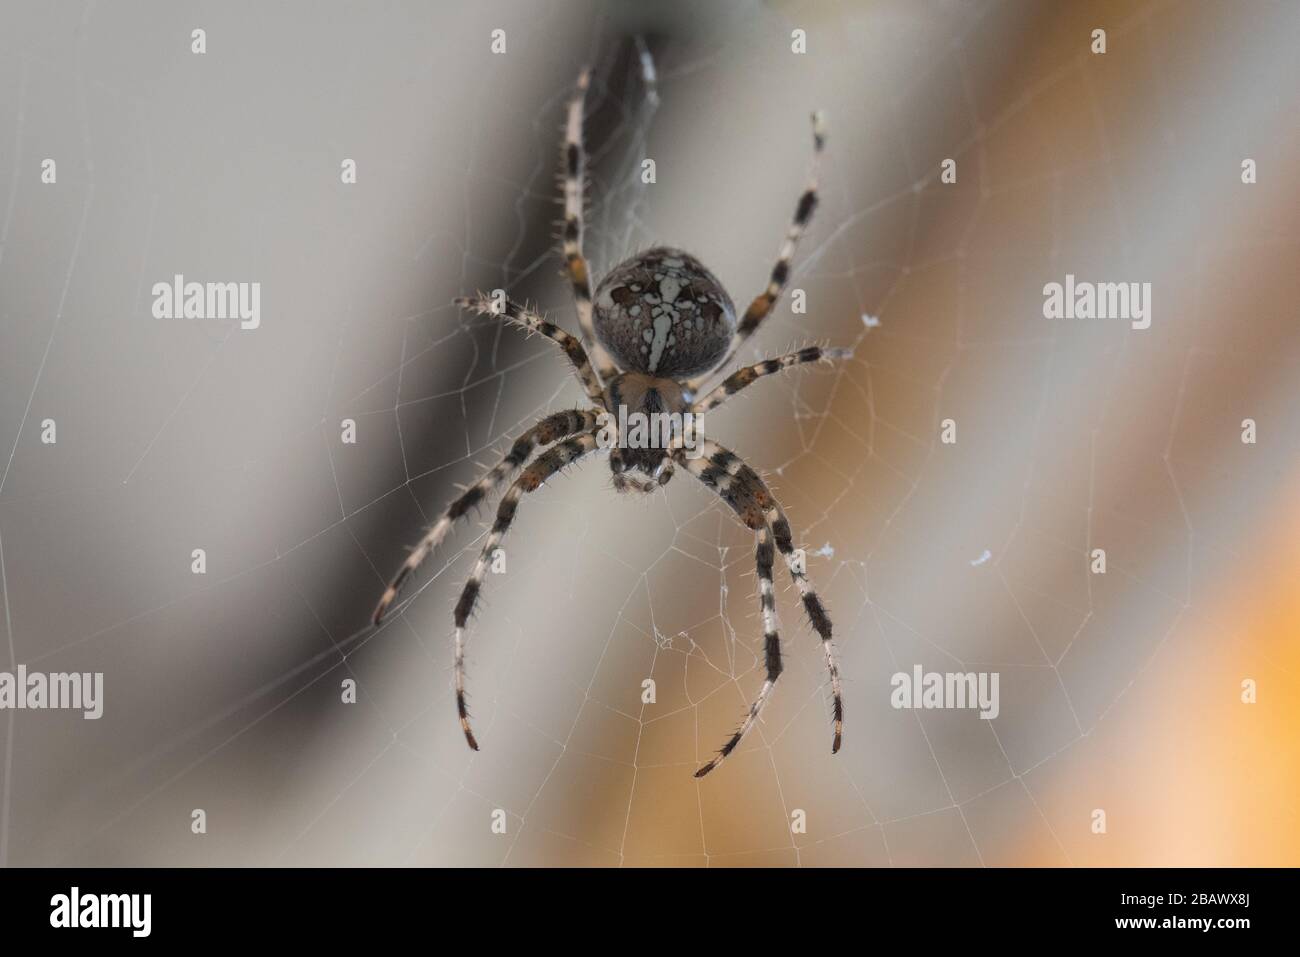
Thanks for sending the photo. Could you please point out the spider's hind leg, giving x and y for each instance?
(748, 495)
(763, 556)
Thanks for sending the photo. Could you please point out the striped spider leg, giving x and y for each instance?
(549, 430)
(542, 468)
(763, 303)
(575, 263)
(748, 495)
(747, 374)
(526, 318)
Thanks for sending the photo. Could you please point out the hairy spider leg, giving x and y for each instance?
(762, 305)
(748, 495)
(575, 263)
(748, 374)
(526, 318)
(542, 468)
(547, 431)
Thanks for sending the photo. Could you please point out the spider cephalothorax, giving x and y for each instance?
(659, 325)
(636, 403)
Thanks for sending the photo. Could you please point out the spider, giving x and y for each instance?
(657, 328)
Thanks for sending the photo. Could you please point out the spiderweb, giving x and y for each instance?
(226, 691)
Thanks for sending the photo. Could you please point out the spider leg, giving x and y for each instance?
(525, 317)
(548, 430)
(542, 468)
(812, 604)
(762, 305)
(763, 555)
(744, 376)
(575, 264)
(748, 495)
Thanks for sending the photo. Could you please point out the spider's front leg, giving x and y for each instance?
(542, 468)
(575, 263)
(550, 429)
(748, 495)
(763, 303)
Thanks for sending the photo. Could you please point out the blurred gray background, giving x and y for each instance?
(223, 691)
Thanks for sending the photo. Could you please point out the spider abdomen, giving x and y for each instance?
(664, 314)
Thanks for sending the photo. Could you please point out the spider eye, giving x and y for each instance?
(662, 313)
